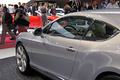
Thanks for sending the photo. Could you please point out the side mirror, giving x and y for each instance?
(38, 32)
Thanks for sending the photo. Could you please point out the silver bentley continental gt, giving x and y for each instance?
(78, 46)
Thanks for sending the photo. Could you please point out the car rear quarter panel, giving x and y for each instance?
(97, 57)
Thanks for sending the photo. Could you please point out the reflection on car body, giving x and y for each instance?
(77, 46)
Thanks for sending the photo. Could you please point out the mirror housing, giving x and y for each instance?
(38, 32)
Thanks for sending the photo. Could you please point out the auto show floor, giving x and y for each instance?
(8, 70)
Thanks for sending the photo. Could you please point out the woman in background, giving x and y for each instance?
(44, 14)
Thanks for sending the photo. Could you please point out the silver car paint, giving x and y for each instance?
(86, 63)
(52, 54)
(100, 56)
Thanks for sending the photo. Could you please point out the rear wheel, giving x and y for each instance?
(110, 77)
(22, 59)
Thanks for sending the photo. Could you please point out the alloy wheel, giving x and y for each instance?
(21, 58)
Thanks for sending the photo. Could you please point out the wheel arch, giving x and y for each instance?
(106, 71)
(105, 74)
(19, 42)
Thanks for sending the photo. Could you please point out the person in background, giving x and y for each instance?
(35, 8)
(25, 8)
(46, 5)
(84, 6)
(10, 9)
(87, 5)
(49, 8)
(22, 20)
(39, 7)
(44, 14)
(118, 3)
(67, 8)
(53, 9)
(55, 5)
(77, 5)
(112, 4)
(103, 5)
(16, 9)
(106, 2)
(15, 30)
(19, 4)
(2, 13)
(5, 5)
(6, 22)
(30, 9)
(93, 6)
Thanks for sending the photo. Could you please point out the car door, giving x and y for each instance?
(63, 48)
(56, 51)
(64, 40)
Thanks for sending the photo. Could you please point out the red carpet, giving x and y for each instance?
(8, 43)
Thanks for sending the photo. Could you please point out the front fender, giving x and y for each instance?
(25, 38)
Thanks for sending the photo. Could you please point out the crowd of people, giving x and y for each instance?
(78, 5)
(21, 21)
(21, 11)
(21, 17)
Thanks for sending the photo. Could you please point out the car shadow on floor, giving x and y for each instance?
(9, 71)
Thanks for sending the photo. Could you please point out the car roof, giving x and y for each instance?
(111, 16)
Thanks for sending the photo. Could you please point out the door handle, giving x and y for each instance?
(71, 49)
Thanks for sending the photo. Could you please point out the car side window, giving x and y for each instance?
(100, 31)
(45, 30)
(70, 27)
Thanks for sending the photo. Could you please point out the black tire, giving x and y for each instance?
(22, 59)
(110, 77)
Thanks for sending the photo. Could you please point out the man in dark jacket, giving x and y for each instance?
(30, 9)
(77, 5)
(22, 20)
(6, 22)
(15, 30)
(16, 9)
(35, 8)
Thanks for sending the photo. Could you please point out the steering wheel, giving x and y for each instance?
(81, 31)
(71, 29)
